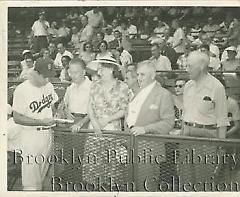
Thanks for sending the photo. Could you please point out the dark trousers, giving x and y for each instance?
(39, 42)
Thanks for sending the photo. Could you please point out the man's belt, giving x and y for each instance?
(42, 128)
(201, 126)
(76, 115)
(41, 36)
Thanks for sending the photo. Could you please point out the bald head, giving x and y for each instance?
(197, 63)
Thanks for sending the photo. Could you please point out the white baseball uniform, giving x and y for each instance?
(34, 102)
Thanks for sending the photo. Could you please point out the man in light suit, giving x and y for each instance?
(151, 110)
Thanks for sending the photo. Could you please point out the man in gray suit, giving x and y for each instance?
(151, 110)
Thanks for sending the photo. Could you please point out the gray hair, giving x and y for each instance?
(200, 57)
(149, 64)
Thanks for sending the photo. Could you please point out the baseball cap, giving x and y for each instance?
(231, 48)
(44, 67)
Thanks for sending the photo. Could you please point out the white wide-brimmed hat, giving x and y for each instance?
(108, 60)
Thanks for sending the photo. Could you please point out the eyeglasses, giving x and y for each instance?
(178, 86)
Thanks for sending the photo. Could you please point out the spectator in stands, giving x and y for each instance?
(103, 51)
(64, 33)
(131, 81)
(115, 25)
(92, 71)
(178, 100)
(27, 68)
(233, 115)
(25, 54)
(64, 75)
(214, 63)
(52, 50)
(194, 31)
(231, 64)
(75, 41)
(108, 34)
(152, 100)
(182, 60)
(95, 19)
(161, 29)
(125, 57)
(124, 27)
(86, 32)
(96, 42)
(61, 52)
(145, 30)
(213, 49)
(210, 28)
(108, 98)
(39, 33)
(117, 42)
(178, 38)
(168, 51)
(231, 43)
(204, 97)
(76, 98)
(53, 32)
(131, 29)
(161, 62)
(87, 55)
(46, 54)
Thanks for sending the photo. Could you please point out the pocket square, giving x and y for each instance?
(153, 107)
(207, 98)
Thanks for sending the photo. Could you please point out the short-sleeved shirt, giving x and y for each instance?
(94, 19)
(177, 36)
(205, 104)
(86, 33)
(77, 96)
(104, 105)
(34, 102)
(38, 28)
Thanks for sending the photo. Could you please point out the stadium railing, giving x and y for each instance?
(119, 161)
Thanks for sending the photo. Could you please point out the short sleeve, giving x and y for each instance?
(54, 94)
(236, 111)
(221, 107)
(34, 26)
(19, 101)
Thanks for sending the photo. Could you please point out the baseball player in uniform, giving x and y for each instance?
(33, 110)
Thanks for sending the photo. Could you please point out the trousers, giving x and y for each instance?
(36, 145)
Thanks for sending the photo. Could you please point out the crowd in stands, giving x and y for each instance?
(98, 34)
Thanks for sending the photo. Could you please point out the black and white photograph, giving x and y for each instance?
(123, 98)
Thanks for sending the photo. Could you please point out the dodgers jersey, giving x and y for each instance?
(34, 102)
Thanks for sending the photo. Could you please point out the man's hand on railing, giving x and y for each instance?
(137, 131)
(76, 127)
